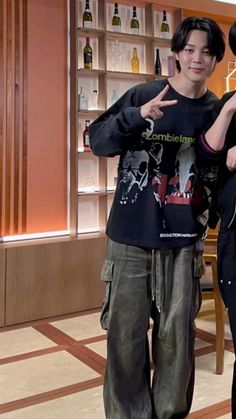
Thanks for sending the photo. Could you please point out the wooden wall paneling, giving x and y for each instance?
(16, 174)
(45, 280)
(73, 118)
(13, 119)
(2, 287)
(9, 110)
(24, 81)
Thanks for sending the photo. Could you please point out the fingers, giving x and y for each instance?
(152, 108)
(161, 103)
(167, 103)
(162, 93)
(231, 159)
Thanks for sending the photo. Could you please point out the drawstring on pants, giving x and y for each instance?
(156, 279)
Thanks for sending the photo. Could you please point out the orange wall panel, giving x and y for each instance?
(47, 116)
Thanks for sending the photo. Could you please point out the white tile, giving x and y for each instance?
(83, 405)
(36, 375)
(99, 347)
(208, 324)
(19, 341)
(81, 327)
(211, 388)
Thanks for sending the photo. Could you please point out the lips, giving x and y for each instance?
(197, 70)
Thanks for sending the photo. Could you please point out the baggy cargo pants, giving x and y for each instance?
(143, 283)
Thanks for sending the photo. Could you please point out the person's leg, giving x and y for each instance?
(174, 333)
(126, 312)
(227, 284)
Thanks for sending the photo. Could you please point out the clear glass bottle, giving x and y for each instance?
(134, 23)
(165, 29)
(114, 97)
(135, 61)
(116, 20)
(94, 99)
(87, 16)
(158, 67)
(86, 141)
(88, 54)
(116, 56)
(83, 99)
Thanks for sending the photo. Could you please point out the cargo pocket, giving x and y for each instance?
(106, 276)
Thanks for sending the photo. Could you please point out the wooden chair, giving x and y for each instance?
(210, 291)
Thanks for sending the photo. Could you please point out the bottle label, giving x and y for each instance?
(116, 28)
(88, 58)
(86, 140)
(87, 24)
(165, 35)
(134, 31)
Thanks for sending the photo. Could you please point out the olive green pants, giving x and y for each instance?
(143, 283)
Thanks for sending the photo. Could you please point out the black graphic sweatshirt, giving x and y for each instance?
(161, 199)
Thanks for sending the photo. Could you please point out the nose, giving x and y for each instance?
(197, 57)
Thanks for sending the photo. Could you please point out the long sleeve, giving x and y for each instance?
(119, 128)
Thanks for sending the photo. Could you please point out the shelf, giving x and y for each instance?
(128, 37)
(88, 230)
(94, 72)
(88, 112)
(93, 203)
(95, 33)
(91, 192)
(129, 76)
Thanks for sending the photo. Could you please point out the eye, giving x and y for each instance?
(206, 52)
(188, 50)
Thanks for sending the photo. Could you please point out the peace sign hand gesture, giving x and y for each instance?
(152, 109)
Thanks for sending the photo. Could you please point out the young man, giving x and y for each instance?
(220, 140)
(153, 228)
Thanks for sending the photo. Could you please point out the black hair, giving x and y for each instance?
(232, 38)
(215, 36)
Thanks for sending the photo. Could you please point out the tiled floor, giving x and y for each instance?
(54, 370)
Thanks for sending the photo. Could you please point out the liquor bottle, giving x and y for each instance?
(116, 20)
(87, 16)
(135, 61)
(165, 29)
(88, 54)
(158, 68)
(134, 24)
(116, 56)
(86, 136)
(114, 97)
(94, 99)
(83, 99)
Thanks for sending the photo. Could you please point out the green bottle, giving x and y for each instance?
(88, 55)
(165, 29)
(116, 20)
(134, 24)
(87, 16)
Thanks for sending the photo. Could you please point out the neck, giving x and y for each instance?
(187, 88)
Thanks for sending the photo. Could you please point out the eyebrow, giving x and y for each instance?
(192, 45)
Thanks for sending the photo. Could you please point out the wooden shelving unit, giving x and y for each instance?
(99, 174)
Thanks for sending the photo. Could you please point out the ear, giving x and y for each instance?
(176, 55)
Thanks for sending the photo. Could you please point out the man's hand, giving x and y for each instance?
(152, 109)
(231, 159)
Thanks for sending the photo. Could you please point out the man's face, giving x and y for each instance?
(195, 59)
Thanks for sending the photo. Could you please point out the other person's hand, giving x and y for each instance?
(231, 159)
